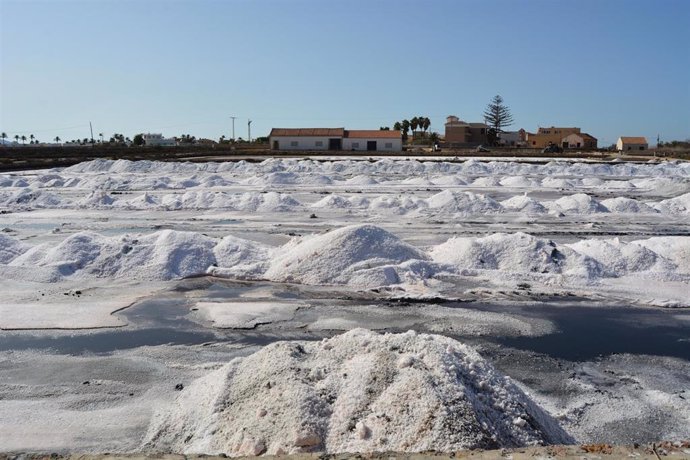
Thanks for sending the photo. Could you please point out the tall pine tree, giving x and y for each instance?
(497, 116)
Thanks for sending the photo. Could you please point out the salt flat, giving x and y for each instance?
(500, 231)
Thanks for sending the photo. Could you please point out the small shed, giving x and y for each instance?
(626, 144)
(580, 141)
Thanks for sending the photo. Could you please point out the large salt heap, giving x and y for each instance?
(356, 392)
(365, 255)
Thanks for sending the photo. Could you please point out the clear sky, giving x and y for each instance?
(611, 67)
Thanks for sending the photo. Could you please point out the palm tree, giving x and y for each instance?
(23, 138)
(414, 123)
(32, 138)
(405, 128)
(16, 137)
(4, 136)
(101, 135)
(426, 123)
(397, 126)
(57, 139)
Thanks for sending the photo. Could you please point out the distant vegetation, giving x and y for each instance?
(675, 144)
(421, 123)
(497, 116)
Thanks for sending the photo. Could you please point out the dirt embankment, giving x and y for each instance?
(39, 157)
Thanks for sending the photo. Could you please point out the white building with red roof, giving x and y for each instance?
(335, 139)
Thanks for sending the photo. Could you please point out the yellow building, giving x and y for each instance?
(552, 135)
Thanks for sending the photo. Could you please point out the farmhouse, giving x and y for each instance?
(579, 141)
(549, 136)
(631, 143)
(335, 139)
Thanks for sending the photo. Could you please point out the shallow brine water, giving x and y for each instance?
(580, 329)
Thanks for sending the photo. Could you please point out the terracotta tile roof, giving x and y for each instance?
(581, 136)
(372, 134)
(634, 140)
(321, 132)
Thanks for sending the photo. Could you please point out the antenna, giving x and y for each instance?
(249, 130)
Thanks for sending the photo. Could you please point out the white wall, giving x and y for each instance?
(509, 138)
(396, 144)
(303, 142)
(573, 140)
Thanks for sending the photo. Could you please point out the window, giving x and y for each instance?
(389, 145)
(355, 145)
(641, 148)
(294, 143)
(319, 144)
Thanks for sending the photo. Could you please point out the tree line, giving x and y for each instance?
(421, 123)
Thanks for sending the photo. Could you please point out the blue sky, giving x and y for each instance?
(611, 67)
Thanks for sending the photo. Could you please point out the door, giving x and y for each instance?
(335, 144)
(275, 145)
(371, 146)
(565, 145)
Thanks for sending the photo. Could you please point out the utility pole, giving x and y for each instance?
(249, 130)
(233, 128)
(91, 128)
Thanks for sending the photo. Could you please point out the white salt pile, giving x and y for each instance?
(364, 255)
(525, 204)
(161, 255)
(580, 203)
(514, 253)
(463, 202)
(356, 392)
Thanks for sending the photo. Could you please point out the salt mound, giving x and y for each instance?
(397, 204)
(677, 205)
(618, 258)
(518, 181)
(673, 248)
(339, 256)
(580, 203)
(356, 392)
(144, 201)
(11, 248)
(463, 202)
(162, 255)
(333, 202)
(34, 198)
(361, 179)
(523, 204)
(96, 199)
(240, 258)
(448, 181)
(626, 205)
(517, 253)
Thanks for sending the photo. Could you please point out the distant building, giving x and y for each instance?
(548, 136)
(158, 139)
(625, 144)
(513, 138)
(335, 139)
(462, 132)
(579, 141)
